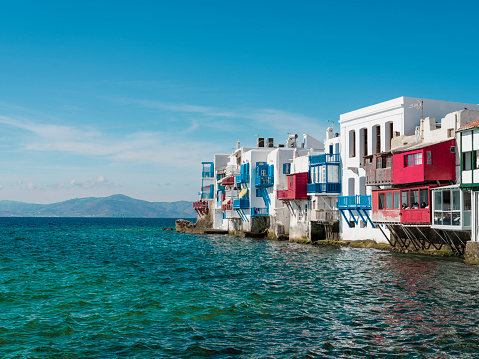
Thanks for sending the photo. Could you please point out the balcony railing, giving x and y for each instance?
(227, 207)
(259, 212)
(325, 158)
(354, 202)
(200, 205)
(231, 193)
(208, 174)
(324, 188)
(242, 178)
(264, 181)
(378, 176)
(240, 203)
(321, 215)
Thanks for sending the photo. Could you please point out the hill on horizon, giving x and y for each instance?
(117, 205)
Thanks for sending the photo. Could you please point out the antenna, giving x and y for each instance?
(332, 124)
(419, 104)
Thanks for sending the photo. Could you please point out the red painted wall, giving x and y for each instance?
(442, 167)
(297, 187)
(419, 215)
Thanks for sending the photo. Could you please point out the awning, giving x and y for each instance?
(243, 193)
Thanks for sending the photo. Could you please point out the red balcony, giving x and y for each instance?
(433, 162)
(297, 187)
(227, 207)
(402, 205)
(201, 207)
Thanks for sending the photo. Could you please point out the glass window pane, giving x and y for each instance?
(456, 218)
(437, 200)
(467, 219)
(446, 218)
(456, 202)
(467, 200)
(438, 218)
(466, 161)
(381, 201)
(333, 174)
(396, 200)
(414, 198)
(446, 200)
(423, 198)
(389, 200)
(404, 199)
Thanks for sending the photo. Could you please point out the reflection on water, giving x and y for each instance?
(124, 288)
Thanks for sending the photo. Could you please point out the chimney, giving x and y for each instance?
(270, 142)
(260, 142)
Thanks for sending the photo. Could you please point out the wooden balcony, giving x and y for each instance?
(321, 215)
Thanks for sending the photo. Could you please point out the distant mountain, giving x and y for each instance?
(117, 205)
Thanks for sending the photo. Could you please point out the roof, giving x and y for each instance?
(469, 126)
(417, 146)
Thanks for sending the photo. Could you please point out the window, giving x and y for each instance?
(264, 173)
(389, 161)
(429, 157)
(286, 168)
(404, 199)
(331, 149)
(396, 200)
(381, 201)
(379, 162)
(414, 199)
(450, 132)
(467, 163)
(352, 143)
(413, 159)
(389, 200)
(423, 198)
(476, 159)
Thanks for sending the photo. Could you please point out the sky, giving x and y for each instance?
(106, 97)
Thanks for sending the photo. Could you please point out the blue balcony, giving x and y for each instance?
(326, 158)
(208, 170)
(240, 203)
(259, 212)
(354, 202)
(264, 181)
(242, 178)
(207, 174)
(324, 188)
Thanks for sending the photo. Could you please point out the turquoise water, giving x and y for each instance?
(116, 288)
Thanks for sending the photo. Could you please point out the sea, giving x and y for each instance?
(125, 288)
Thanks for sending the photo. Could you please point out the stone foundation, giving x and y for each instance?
(471, 255)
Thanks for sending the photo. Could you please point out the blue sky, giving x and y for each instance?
(103, 97)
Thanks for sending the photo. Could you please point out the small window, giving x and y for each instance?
(414, 199)
(378, 162)
(413, 159)
(381, 201)
(429, 157)
(396, 200)
(286, 168)
(423, 198)
(389, 161)
(452, 149)
(467, 161)
(405, 199)
(450, 132)
(389, 200)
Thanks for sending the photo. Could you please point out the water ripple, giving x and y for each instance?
(104, 288)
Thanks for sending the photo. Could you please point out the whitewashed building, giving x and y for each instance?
(370, 131)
